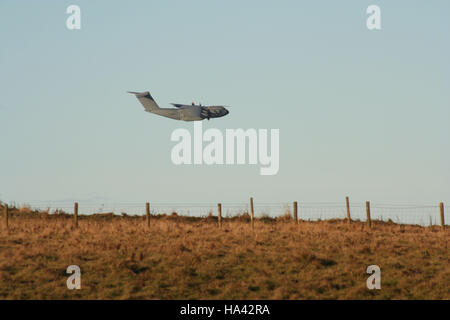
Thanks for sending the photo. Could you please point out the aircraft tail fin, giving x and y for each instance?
(146, 99)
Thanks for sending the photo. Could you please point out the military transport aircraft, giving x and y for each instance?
(184, 112)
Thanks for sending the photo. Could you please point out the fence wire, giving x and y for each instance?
(399, 213)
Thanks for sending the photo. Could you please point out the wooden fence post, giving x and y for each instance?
(441, 207)
(252, 213)
(75, 215)
(295, 212)
(147, 213)
(219, 214)
(347, 201)
(369, 221)
(6, 216)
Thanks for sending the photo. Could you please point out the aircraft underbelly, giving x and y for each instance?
(169, 113)
(190, 115)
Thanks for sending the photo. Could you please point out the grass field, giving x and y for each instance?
(189, 258)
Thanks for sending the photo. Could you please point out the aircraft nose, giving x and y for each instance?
(226, 111)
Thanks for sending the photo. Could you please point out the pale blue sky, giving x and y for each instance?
(361, 113)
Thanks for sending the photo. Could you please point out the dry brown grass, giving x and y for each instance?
(188, 258)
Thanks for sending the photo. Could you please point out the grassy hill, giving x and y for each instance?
(191, 258)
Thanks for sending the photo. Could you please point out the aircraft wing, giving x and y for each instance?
(179, 105)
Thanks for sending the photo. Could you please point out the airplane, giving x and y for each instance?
(184, 112)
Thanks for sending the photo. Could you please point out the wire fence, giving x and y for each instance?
(419, 214)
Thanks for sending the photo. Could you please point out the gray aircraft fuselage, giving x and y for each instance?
(184, 112)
